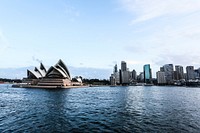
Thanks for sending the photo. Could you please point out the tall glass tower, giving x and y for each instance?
(147, 73)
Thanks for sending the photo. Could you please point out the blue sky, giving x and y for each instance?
(100, 33)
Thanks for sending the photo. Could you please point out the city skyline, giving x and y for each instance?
(168, 74)
(97, 34)
(176, 67)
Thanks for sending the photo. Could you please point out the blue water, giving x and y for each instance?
(100, 109)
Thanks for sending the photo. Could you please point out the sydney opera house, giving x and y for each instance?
(56, 76)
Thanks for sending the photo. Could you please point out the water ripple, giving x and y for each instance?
(104, 109)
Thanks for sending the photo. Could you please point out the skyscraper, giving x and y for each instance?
(179, 72)
(140, 77)
(125, 77)
(123, 66)
(125, 74)
(147, 73)
(134, 75)
(197, 73)
(115, 69)
(176, 75)
(120, 76)
(190, 72)
(161, 77)
(162, 69)
(169, 73)
(112, 79)
(115, 77)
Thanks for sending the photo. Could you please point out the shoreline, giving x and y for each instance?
(88, 86)
(46, 87)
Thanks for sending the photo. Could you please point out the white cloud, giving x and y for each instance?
(178, 59)
(149, 9)
(169, 31)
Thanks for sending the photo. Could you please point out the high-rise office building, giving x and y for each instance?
(197, 73)
(120, 76)
(160, 77)
(169, 73)
(115, 69)
(115, 77)
(125, 74)
(123, 66)
(112, 79)
(179, 72)
(134, 75)
(162, 69)
(185, 76)
(140, 77)
(125, 77)
(176, 75)
(147, 73)
(190, 72)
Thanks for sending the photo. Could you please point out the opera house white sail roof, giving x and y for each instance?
(37, 72)
(60, 70)
(56, 76)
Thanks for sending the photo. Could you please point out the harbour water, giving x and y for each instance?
(100, 109)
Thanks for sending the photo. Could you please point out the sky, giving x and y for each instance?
(100, 33)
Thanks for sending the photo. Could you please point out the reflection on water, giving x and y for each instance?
(104, 109)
